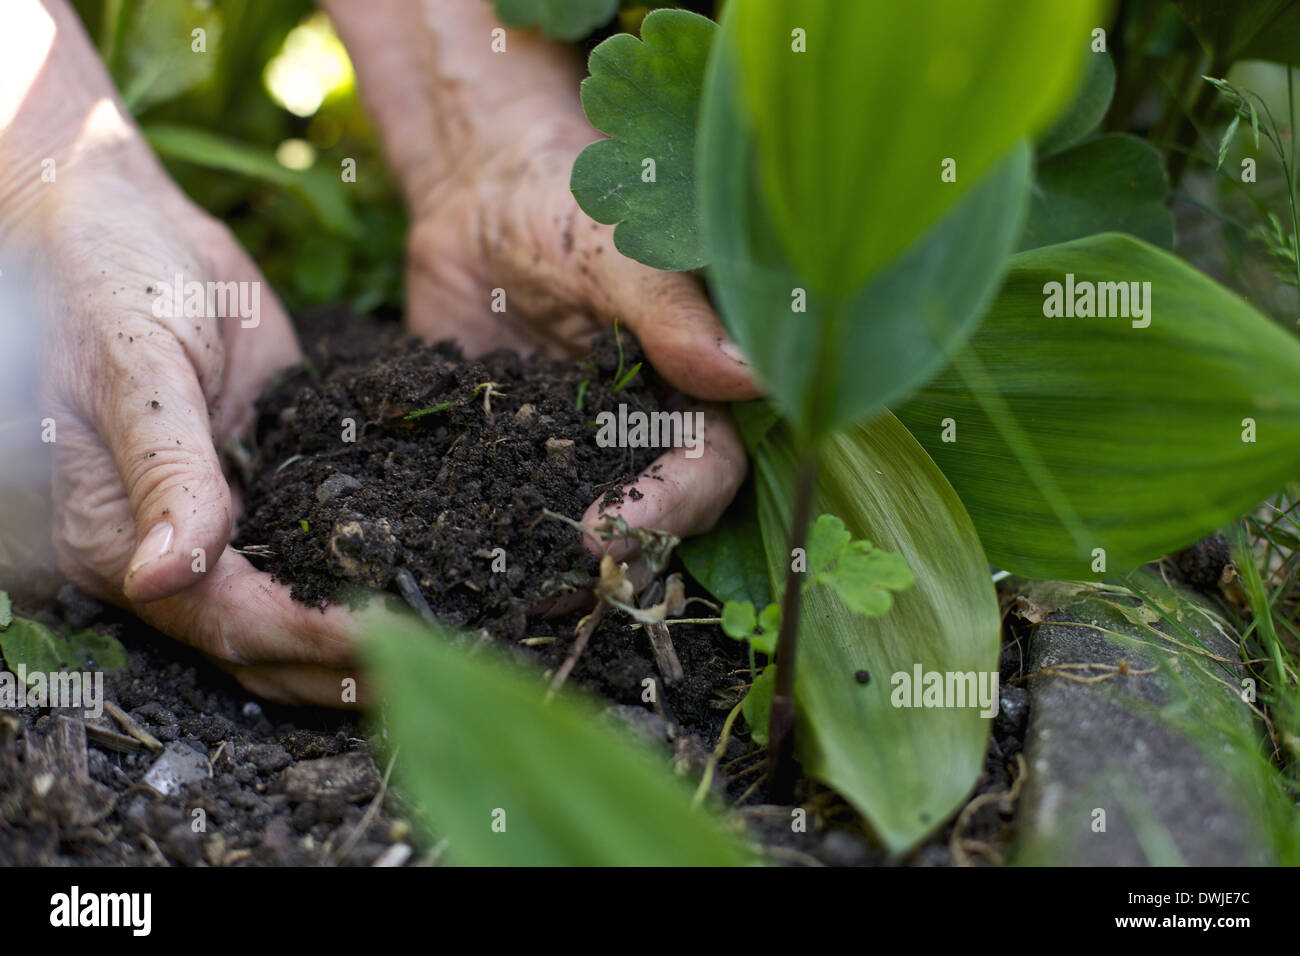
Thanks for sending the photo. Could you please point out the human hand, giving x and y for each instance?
(483, 145)
(137, 396)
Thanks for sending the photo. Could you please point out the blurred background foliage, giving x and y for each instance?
(257, 130)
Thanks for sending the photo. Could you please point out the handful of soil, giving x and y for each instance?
(403, 463)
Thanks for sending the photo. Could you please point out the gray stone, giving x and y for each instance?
(175, 767)
(1115, 745)
(842, 848)
(1013, 709)
(644, 724)
(347, 778)
(337, 485)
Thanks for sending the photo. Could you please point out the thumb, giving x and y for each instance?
(154, 420)
(672, 319)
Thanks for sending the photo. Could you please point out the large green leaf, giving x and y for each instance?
(905, 769)
(1112, 183)
(851, 133)
(843, 357)
(1073, 434)
(478, 744)
(1246, 29)
(1086, 110)
(645, 95)
(322, 192)
(562, 19)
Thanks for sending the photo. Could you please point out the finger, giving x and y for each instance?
(153, 416)
(256, 347)
(671, 318)
(303, 684)
(680, 494)
(238, 614)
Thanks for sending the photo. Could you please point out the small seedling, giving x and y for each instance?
(861, 575)
(626, 380)
(433, 410)
(621, 380)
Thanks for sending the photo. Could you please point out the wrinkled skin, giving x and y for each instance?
(142, 402)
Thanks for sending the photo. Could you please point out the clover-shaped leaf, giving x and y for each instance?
(861, 574)
(644, 94)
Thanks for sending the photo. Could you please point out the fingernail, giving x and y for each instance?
(156, 544)
(732, 351)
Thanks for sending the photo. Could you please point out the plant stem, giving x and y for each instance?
(780, 746)
(1291, 173)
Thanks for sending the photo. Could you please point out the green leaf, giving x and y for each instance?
(853, 130)
(728, 560)
(765, 643)
(159, 62)
(475, 737)
(1112, 183)
(320, 191)
(562, 19)
(740, 622)
(863, 578)
(1246, 29)
(644, 94)
(1087, 109)
(1227, 140)
(827, 540)
(757, 705)
(626, 380)
(754, 419)
(6, 610)
(906, 770)
(831, 360)
(31, 644)
(739, 619)
(861, 575)
(96, 650)
(1073, 434)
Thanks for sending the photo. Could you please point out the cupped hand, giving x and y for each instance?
(500, 254)
(141, 396)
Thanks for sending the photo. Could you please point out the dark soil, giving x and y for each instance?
(431, 496)
(295, 786)
(71, 800)
(447, 476)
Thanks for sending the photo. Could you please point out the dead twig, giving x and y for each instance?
(128, 724)
(586, 627)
